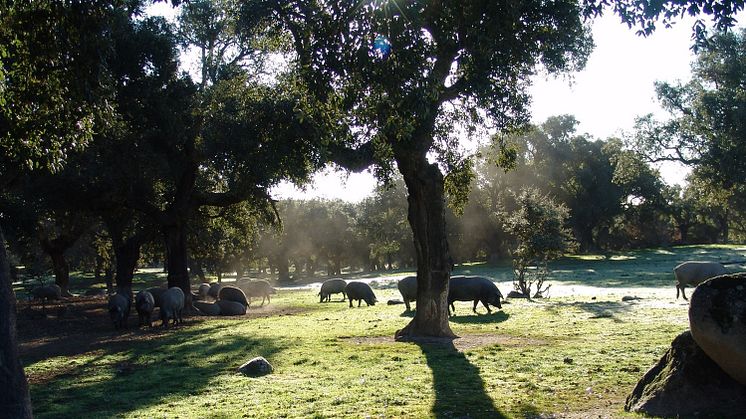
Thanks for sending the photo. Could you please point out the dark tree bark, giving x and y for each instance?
(61, 268)
(684, 232)
(283, 270)
(109, 277)
(427, 219)
(177, 259)
(127, 253)
(56, 249)
(15, 401)
(195, 268)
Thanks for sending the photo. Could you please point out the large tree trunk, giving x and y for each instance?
(195, 268)
(684, 232)
(177, 260)
(427, 218)
(15, 401)
(283, 270)
(127, 253)
(61, 269)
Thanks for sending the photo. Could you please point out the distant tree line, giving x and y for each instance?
(612, 200)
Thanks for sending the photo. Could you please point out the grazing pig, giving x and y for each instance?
(332, 286)
(258, 289)
(360, 291)
(172, 303)
(214, 290)
(119, 310)
(231, 308)
(47, 293)
(144, 304)
(157, 293)
(473, 288)
(408, 289)
(230, 293)
(694, 273)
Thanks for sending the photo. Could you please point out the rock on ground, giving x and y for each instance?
(256, 367)
(686, 382)
(717, 317)
(516, 294)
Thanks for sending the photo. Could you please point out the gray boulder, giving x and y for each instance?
(408, 290)
(210, 309)
(686, 382)
(231, 308)
(332, 286)
(516, 294)
(360, 291)
(230, 293)
(717, 318)
(256, 367)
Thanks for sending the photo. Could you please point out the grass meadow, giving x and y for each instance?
(576, 354)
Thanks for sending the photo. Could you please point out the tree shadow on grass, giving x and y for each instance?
(495, 317)
(459, 389)
(148, 373)
(597, 309)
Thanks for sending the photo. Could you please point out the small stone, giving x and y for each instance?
(256, 367)
(516, 294)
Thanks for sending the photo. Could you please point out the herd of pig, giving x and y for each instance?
(234, 300)
(460, 288)
(228, 300)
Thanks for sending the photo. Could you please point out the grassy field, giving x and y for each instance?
(566, 356)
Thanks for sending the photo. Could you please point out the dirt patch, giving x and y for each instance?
(462, 343)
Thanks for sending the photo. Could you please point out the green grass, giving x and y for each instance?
(561, 355)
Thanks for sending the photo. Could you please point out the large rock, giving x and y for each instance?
(686, 382)
(256, 367)
(717, 317)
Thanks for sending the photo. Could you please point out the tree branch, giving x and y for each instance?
(353, 159)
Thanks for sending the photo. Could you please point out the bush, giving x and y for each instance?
(539, 235)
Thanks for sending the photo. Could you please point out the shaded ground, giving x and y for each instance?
(80, 325)
(462, 343)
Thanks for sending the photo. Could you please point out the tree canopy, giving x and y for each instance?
(707, 125)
